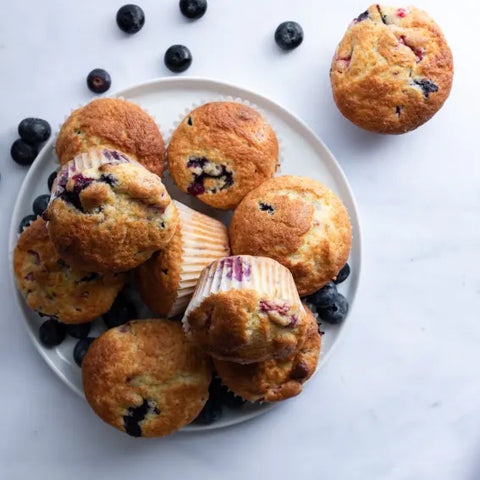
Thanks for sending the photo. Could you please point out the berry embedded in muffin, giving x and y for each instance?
(221, 151)
(392, 71)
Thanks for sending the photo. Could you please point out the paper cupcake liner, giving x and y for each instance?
(229, 98)
(204, 240)
(84, 162)
(241, 272)
(120, 97)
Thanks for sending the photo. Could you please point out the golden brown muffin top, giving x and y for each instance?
(392, 70)
(52, 287)
(275, 379)
(113, 123)
(145, 378)
(221, 151)
(110, 217)
(300, 223)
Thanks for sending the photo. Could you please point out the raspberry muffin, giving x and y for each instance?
(145, 378)
(275, 379)
(108, 213)
(300, 223)
(53, 288)
(245, 309)
(115, 124)
(167, 280)
(392, 71)
(221, 151)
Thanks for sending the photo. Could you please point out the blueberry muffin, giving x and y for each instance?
(115, 124)
(221, 151)
(275, 379)
(108, 213)
(53, 288)
(245, 309)
(300, 223)
(167, 280)
(145, 378)
(392, 71)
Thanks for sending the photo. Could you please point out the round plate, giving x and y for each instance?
(167, 100)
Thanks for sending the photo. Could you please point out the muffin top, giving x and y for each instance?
(108, 213)
(167, 280)
(392, 71)
(116, 124)
(275, 379)
(52, 287)
(245, 309)
(221, 151)
(145, 378)
(300, 223)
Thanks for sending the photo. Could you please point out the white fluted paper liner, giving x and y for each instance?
(228, 98)
(204, 240)
(245, 272)
(84, 163)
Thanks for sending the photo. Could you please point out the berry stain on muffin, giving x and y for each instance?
(208, 176)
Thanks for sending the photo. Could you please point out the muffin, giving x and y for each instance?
(116, 124)
(221, 151)
(245, 309)
(392, 71)
(53, 288)
(108, 213)
(275, 379)
(145, 378)
(300, 223)
(167, 280)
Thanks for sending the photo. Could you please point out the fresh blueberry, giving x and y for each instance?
(289, 35)
(224, 395)
(335, 312)
(343, 274)
(52, 332)
(81, 349)
(121, 312)
(40, 204)
(325, 296)
(80, 330)
(25, 222)
(51, 179)
(211, 412)
(130, 18)
(34, 130)
(178, 58)
(98, 80)
(193, 8)
(22, 152)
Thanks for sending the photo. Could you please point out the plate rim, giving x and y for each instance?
(208, 83)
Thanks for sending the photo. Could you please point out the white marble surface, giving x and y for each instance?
(400, 398)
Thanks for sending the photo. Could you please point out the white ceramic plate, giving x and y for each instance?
(168, 99)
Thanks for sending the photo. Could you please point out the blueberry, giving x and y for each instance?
(325, 296)
(130, 18)
(52, 332)
(34, 130)
(178, 58)
(25, 222)
(289, 35)
(80, 330)
(121, 312)
(211, 412)
(51, 179)
(22, 152)
(193, 8)
(135, 415)
(40, 204)
(343, 274)
(427, 86)
(98, 80)
(335, 312)
(81, 349)
(224, 395)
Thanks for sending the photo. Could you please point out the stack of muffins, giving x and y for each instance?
(228, 301)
